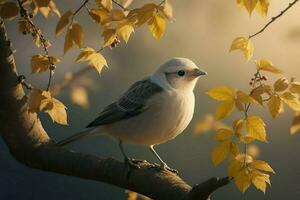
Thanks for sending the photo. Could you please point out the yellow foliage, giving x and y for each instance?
(100, 15)
(73, 36)
(223, 134)
(124, 30)
(256, 128)
(243, 44)
(224, 109)
(275, 105)
(157, 25)
(109, 36)
(220, 152)
(40, 63)
(63, 22)
(281, 84)
(291, 100)
(222, 93)
(94, 58)
(295, 87)
(43, 101)
(261, 6)
(266, 65)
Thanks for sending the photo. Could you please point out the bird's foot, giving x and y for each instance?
(164, 166)
(132, 164)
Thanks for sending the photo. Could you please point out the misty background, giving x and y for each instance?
(203, 32)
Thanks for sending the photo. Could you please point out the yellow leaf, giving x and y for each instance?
(266, 65)
(39, 63)
(242, 180)
(222, 134)
(281, 84)
(261, 165)
(295, 127)
(109, 36)
(55, 109)
(9, 10)
(291, 100)
(68, 41)
(275, 105)
(234, 149)
(76, 34)
(94, 58)
(63, 22)
(250, 5)
(234, 168)
(124, 30)
(100, 15)
(262, 7)
(243, 44)
(256, 128)
(220, 152)
(222, 93)
(244, 98)
(257, 92)
(295, 87)
(157, 25)
(224, 109)
(259, 180)
(79, 96)
(116, 15)
(106, 3)
(139, 16)
(53, 8)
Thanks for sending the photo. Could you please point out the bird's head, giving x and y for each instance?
(178, 73)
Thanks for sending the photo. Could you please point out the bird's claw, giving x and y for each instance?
(164, 166)
(132, 164)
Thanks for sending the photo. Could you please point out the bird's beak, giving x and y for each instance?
(198, 72)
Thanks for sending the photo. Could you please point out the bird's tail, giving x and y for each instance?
(75, 137)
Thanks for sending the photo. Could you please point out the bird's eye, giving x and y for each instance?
(181, 73)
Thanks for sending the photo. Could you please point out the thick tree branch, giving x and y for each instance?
(28, 142)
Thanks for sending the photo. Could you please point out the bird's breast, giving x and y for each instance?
(167, 115)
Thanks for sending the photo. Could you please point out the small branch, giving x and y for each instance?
(44, 41)
(78, 9)
(274, 19)
(120, 5)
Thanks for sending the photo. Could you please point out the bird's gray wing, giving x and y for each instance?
(132, 103)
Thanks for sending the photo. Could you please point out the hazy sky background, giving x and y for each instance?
(203, 31)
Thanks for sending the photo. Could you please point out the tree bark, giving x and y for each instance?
(29, 143)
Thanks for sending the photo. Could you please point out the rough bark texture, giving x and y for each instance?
(28, 142)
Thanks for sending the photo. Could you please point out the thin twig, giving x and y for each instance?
(38, 32)
(82, 5)
(120, 5)
(273, 19)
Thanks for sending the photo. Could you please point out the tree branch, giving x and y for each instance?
(273, 19)
(28, 142)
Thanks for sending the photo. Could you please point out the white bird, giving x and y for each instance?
(152, 111)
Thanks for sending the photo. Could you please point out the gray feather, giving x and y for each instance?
(132, 103)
